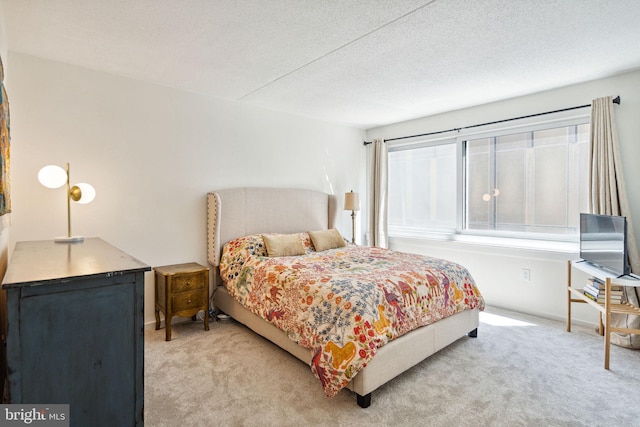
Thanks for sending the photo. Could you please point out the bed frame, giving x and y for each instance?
(237, 212)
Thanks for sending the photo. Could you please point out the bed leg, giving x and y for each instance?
(473, 334)
(364, 401)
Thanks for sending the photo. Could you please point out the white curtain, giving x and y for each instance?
(608, 196)
(378, 199)
(607, 186)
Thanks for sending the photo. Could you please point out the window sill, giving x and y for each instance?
(506, 243)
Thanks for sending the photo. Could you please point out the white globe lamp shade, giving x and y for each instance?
(88, 193)
(52, 176)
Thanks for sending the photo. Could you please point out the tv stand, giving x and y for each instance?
(575, 294)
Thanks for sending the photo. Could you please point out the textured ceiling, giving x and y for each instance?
(360, 62)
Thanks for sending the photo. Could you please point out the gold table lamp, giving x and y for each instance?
(53, 176)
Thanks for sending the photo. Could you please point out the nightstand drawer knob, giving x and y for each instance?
(188, 283)
(189, 301)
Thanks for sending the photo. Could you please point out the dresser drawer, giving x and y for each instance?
(188, 281)
(188, 301)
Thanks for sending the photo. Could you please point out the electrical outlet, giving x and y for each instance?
(525, 274)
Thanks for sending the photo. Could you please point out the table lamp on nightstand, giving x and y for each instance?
(53, 176)
(352, 203)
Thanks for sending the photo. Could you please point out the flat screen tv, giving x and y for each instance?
(603, 242)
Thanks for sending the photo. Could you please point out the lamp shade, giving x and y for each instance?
(87, 193)
(351, 201)
(52, 176)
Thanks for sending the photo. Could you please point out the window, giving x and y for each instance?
(422, 188)
(526, 182)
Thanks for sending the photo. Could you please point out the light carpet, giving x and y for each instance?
(520, 371)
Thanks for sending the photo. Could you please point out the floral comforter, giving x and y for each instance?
(345, 303)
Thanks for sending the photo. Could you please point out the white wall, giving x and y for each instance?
(153, 153)
(498, 270)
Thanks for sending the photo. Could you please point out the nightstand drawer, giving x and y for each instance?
(188, 301)
(188, 281)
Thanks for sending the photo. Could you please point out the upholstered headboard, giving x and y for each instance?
(237, 212)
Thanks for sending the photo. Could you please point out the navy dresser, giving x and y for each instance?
(75, 330)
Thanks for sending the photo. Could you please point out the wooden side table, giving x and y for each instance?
(181, 290)
(607, 308)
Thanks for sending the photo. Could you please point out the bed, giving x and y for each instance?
(243, 216)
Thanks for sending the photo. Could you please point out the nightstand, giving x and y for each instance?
(181, 290)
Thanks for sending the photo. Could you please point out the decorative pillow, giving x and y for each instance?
(326, 239)
(283, 244)
(237, 251)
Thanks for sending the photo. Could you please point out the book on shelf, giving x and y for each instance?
(588, 289)
(600, 298)
(601, 292)
(600, 285)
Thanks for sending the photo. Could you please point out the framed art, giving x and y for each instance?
(5, 193)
